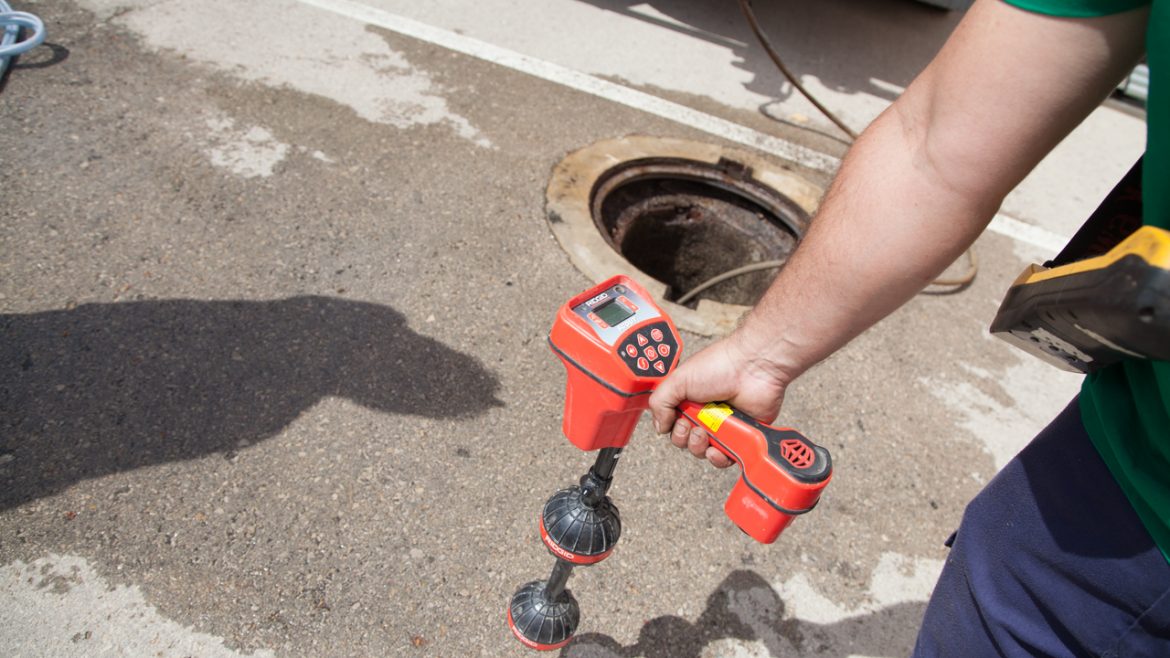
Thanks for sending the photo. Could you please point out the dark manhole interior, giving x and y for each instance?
(684, 222)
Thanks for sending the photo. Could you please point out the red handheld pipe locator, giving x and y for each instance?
(617, 345)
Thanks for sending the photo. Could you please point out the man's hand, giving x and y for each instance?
(728, 370)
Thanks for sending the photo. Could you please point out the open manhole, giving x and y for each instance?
(683, 218)
(694, 226)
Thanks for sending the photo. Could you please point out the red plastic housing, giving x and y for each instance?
(612, 368)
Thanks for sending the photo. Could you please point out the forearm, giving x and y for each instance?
(915, 190)
(928, 175)
(887, 227)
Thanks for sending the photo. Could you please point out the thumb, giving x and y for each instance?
(663, 401)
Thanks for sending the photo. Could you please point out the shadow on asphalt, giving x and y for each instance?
(745, 607)
(103, 388)
(39, 60)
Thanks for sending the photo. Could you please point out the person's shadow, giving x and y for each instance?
(103, 388)
(746, 607)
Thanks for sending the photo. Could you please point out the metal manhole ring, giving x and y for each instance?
(570, 211)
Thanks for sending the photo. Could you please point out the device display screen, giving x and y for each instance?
(613, 313)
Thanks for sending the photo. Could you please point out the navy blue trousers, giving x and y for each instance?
(1051, 560)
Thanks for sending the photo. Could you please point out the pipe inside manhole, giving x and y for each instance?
(685, 222)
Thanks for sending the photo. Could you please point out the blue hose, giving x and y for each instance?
(10, 43)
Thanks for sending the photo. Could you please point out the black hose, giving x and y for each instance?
(746, 7)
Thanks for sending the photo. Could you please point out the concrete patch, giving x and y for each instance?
(575, 79)
(749, 617)
(59, 606)
(700, 48)
(991, 407)
(249, 152)
(896, 580)
(285, 44)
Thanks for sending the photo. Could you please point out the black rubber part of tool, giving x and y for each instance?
(579, 528)
(541, 623)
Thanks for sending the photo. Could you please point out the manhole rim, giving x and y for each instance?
(569, 212)
(788, 216)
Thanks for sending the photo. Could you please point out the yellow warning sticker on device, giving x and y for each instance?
(713, 414)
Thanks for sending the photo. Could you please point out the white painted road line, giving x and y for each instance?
(582, 82)
(1028, 233)
(638, 100)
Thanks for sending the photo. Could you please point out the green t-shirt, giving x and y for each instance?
(1126, 407)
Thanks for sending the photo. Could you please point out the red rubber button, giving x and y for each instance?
(650, 353)
(656, 334)
(642, 340)
(598, 321)
(632, 351)
(660, 367)
(663, 349)
(643, 363)
(630, 305)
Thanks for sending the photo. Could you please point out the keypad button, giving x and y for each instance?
(642, 340)
(643, 363)
(631, 351)
(663, 349)
(650, 353)
(660, 367)
(656, 334)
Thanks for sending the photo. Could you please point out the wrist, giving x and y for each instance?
(765, 352)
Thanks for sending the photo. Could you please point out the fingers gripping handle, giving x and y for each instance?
(783, 472)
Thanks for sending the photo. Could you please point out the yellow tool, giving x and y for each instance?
(1087, 314)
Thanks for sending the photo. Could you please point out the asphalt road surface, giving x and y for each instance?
(275, 282)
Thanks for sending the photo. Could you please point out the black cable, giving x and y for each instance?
(746, 7)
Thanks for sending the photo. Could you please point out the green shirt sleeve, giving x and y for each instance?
(1077, 8)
